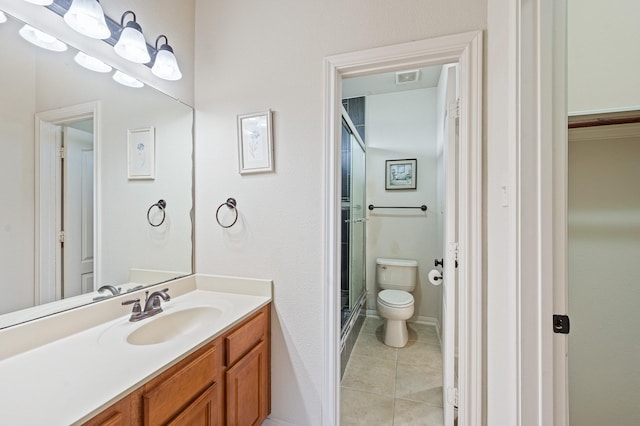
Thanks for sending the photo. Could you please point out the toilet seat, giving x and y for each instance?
(395, 298)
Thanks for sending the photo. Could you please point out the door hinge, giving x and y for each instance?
(454, 109)
(454, 252)
(61, 237)
(561, 324)
(62, 153)
(452, 396)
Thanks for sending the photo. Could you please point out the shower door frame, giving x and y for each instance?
(466, 50)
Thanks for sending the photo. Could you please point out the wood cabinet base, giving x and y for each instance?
(226, 382)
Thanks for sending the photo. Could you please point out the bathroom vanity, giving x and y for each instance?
(204, 360)
(224, 382)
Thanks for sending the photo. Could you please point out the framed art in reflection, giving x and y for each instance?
(141, 150)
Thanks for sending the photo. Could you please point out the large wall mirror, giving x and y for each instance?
(85, 161)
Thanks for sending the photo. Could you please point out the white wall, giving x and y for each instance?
(16, 173)
(604, 247)
(252, 56)
(603, 57)
(403, 125)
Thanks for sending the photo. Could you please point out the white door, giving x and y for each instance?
(449, 282)
(77, 195)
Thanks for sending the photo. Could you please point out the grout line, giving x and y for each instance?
(367, 392)
(396, 359)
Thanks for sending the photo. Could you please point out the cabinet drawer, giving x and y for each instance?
(169, 397)
(246, 337)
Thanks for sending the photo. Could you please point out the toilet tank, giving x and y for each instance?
(396, 274)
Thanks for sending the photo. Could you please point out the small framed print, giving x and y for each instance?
(401, 174)
(141, 153)
(255, 143)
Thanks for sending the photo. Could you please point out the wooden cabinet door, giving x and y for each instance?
(119, 414)
(247, 392)
(204, 411)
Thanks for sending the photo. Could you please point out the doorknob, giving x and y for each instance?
(439, 262)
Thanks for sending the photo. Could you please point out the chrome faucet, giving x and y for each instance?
(151, 305)
(109, 287)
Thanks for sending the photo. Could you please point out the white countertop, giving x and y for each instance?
(70, 379)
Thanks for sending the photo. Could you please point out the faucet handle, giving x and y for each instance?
(136, 305)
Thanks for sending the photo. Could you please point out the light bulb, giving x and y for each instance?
(166, 65)
(91, 63)
(87, 17)
(41, 39)
(131, 45)
(127, 80)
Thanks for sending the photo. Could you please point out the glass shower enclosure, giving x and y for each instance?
(353, 226)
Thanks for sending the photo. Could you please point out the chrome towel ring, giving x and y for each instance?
(231, 204)
(161, 204)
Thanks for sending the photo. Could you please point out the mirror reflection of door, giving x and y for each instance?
(76, 194)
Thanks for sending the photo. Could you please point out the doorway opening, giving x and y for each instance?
(603, 229)
(66, 163)
(392, 125)
(464, 244)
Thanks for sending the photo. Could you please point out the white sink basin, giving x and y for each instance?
(167, 326)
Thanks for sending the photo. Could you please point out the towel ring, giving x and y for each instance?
(161, 204)
(230, 203)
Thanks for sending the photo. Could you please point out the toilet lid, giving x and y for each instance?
(397, 298)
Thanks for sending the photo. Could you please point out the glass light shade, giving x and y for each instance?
(87, 17)
(166, 65)
(91, 63)
(40, 2)
(126, 80)
(3, 17)
(131, 45)
(41, 39)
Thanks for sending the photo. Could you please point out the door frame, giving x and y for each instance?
(466, 50)
(47, 253)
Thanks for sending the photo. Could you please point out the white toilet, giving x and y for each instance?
(396, 278)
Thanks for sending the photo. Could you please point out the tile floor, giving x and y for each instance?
(386, 386)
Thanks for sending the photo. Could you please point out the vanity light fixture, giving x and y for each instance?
(131, 45)
(40, 2)
(165, 65)
(91, 63)
(87, 17)
(3, 17)
(127, 80)
(41, 39)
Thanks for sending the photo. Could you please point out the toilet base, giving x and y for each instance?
(395, 333)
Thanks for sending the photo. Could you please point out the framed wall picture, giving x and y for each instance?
(255, 143)
(401, 174)
(141, 153)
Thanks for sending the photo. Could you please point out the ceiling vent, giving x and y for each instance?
(411, 76)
